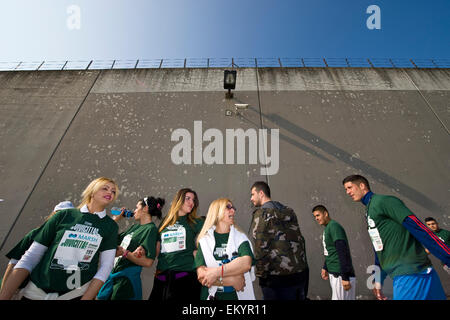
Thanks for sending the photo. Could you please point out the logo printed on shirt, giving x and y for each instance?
(220, 251)
(85, 229)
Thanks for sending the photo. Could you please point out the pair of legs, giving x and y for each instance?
(296, 291)
(338, 290)
(178, 289)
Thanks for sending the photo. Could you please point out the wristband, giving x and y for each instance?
(221, 277)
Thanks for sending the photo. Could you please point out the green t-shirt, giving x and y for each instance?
(398, 251)
(221, 241)
(23, 245)
(333, 232)
(137, 235)
(178, 245)
(74, 239)
(444, 235)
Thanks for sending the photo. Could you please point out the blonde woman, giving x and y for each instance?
(175, 277)
(225, 256)
(73, 253)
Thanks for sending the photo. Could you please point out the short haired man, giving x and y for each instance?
(338, 267)
(279, 249)
(399, 238)
(443, 234)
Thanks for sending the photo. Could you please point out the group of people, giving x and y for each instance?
(79, 254)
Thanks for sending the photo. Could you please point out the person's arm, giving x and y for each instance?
(138, 257)
(427, 238)
(158, 248)
(106, 263)
(236, 267)
(8, 271)
(22, 270)
(237, 281)
(261, 248)
(324, 271)
(93, 289)
(345, 262)
(377, 290)
(119, 216)
(13, 282)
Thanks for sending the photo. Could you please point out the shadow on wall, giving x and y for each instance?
(347, 158)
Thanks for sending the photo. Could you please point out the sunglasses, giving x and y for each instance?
(230, 206)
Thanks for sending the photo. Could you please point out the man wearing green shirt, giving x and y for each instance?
(443, 234)
(399, 238)
(338, 266)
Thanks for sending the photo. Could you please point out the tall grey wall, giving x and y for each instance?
(61, 129)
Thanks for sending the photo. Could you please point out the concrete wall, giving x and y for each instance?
(61, 129)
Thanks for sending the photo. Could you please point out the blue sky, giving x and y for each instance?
(152, 29)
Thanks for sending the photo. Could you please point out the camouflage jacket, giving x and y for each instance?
(279, 246)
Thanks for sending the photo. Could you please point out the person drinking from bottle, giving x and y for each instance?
(137, 249)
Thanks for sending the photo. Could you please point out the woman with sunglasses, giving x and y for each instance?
(175, 277)
(225, 256)
(137, 249)
(73, 254)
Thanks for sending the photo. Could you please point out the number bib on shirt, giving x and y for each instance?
(376, 239)
(76, 247)
(124, 244)
(325, 251)
(174, 239)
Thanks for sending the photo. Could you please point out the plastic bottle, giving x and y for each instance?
(127, 214)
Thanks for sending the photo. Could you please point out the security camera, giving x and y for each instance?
(241, 105)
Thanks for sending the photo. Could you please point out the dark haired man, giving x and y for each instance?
(399, 238)
(281, 264)
(443, 234)
(338, 267)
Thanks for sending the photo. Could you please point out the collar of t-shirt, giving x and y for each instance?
(100, 214)
(366, 198)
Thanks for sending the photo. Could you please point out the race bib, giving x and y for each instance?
(76, 249)
(126, 241)
(124, 244)
(376, 239)
(173, 240)
(325, 251)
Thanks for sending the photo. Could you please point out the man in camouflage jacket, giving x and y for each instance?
(279, 248)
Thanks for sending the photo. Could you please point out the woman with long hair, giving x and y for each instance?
(225, 256)
(73, 254)
(137, 249)
(175, 277)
